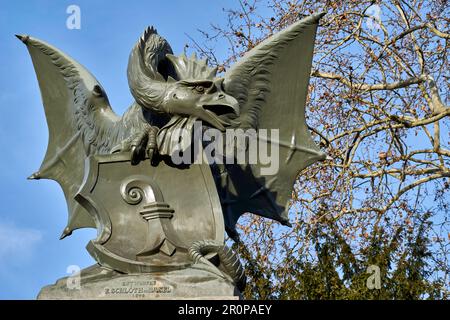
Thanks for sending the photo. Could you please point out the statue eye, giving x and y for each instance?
(200, 89)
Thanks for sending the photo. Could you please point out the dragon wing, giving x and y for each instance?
(79, 119)
(271, 84)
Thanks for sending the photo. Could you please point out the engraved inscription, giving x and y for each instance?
(138, 289)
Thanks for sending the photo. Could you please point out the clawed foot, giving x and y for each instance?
(141, 145)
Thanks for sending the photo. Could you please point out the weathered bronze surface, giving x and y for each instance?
(156, 218)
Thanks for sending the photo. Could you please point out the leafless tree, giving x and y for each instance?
(378, 106)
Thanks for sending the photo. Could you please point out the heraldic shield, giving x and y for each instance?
(148, 217)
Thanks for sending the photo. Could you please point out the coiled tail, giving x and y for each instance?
(229, 262)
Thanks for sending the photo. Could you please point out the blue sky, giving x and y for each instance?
(33, 213)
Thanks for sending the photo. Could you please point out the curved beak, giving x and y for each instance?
(218, 108)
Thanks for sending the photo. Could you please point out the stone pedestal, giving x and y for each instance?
(97, 282)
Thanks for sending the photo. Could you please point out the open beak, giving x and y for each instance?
(219, 111)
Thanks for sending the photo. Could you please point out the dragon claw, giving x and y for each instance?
(150, 153)
(137, 147)
(140, 145)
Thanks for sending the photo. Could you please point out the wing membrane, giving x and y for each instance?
(271, 85)
(75, 122)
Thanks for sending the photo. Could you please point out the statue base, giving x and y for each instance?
(97, 282)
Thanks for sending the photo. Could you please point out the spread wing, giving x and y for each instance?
(271, 84)
(79, 119)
